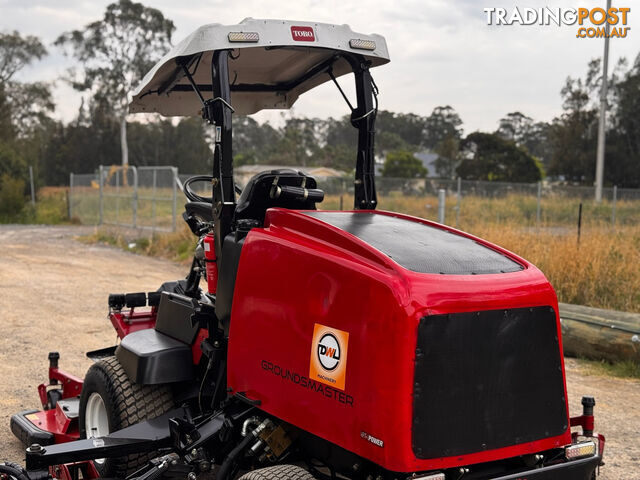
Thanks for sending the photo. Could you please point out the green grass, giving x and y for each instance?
(176, 246)
(50, 209)
(624, 369)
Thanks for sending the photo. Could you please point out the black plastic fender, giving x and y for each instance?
(151, 358)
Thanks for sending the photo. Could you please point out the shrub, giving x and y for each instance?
(12, 197)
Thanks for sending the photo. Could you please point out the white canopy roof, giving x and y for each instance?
(277, 55)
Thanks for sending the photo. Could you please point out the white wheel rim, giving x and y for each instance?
(96, 420)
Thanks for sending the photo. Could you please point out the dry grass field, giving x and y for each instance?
(599, 271)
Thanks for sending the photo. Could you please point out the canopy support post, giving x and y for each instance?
(218, 111)
(363, 117)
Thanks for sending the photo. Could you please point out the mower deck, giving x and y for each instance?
(47, 427)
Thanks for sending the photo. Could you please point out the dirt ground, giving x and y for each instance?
(53, 296)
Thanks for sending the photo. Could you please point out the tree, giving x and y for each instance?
(16, 52)
(487, 156)
(448, 159)
(402, 164)
(252, 142)
(23, 106)
(182, 145)
(12, 199)
(299, 143)
(115, 53)
(515, 127)
(573, 135)
(30, 105)
(622, 166)
(396, 131)
(442, 123)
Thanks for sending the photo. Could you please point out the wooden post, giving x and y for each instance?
(579, 221)
(70, 196)
(538, 205)
(613, 206)
(600, 334)
(33, 193)
(459, 199)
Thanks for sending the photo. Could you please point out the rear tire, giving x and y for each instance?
(111, 402)
(278, 472)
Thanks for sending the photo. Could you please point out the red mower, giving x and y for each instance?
(326, 345)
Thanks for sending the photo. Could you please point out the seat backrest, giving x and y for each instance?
(256, 198)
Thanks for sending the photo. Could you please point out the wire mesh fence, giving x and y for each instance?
(126, 196)
(467, 203)
(151, 198)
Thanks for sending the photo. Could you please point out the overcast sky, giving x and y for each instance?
(442, 51)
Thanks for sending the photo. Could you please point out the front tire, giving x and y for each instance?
(278, 472)
(109, 402)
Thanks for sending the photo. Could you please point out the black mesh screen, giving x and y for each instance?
(485, 380)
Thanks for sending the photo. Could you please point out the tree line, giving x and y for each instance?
(112, 54)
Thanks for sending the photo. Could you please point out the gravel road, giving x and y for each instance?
(53, 295)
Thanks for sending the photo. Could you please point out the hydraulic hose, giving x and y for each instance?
(226, 469)
(14, 471)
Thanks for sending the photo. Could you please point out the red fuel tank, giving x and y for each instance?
(404, 341)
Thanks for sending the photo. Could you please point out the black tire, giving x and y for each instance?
(278, 472)
(126, 403)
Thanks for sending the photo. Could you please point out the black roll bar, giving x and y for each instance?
(218, 111)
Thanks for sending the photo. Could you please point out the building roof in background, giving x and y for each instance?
(428, 160)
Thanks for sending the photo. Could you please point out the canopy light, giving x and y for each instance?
(362, 44)
(580, 450)
(245, 37)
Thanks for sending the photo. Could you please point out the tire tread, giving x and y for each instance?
(133, 403)
(278, 472)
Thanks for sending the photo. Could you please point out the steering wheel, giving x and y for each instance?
(194, 197)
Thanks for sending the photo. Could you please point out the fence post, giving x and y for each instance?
(135, 195)
(579, 221)
(538, 206)
(441, 204)
(153, 200)
(33, 193)
(175, 198)
(101, 200)
(70, 196)
(118, 194)
(613, 206)
(458, 201)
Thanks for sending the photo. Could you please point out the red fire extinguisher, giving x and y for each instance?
(211, 263)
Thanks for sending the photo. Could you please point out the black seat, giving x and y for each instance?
(257, 196)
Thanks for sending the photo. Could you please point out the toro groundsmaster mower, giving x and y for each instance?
(323, 344)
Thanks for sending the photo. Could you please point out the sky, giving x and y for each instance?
(442, 51)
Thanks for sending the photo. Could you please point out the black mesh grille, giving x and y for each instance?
(485, 380)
